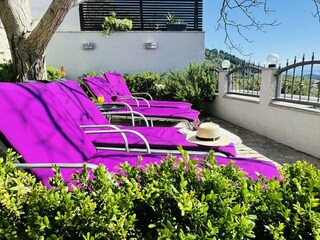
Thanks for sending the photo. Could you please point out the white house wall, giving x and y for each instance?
(124, 51)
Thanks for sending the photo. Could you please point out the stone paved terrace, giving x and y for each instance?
(255, 145)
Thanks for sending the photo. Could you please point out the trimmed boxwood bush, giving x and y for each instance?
(175, 200)
(145, 82)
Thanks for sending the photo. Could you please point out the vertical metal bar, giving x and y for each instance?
(243, 80)
(196, 15)
(301, 79)
(248, 81)
(310, 78)
(81, 17)
(252, 92)
(141, 15)
(293, 76)
(285, 81)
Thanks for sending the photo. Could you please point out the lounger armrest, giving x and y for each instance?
(125, 139)
(130, 97)
(136, 99)
(123, 131)
(143, 93)
(50, 165)
(132, 113)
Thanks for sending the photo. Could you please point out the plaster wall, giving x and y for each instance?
(4, 46)
(124, 51)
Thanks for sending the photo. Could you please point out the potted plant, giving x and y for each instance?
(175, 24)
(112, 23)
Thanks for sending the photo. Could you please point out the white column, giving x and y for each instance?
(223, 83)
(268, 86)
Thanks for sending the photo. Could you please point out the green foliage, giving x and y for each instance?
(218, 56)
(196, 84)
(90, 74)
(112, 23)
(6, 72)
(55, 73)
(174, 200)
(299, 84)
(171, 18)
(145, 82)
(98, 209)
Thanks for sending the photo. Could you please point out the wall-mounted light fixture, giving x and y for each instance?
(151, 45)
(272, 60)
(88, 46)
(225, 64)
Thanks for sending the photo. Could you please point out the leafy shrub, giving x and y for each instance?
(30, 211)
(145, 82)
(112, 23)
(89, 74)
(162, 202)
(55, 73)
(6, 72)
(196, 84)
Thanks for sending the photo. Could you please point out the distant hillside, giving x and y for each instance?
(218, 56)
(316, 76)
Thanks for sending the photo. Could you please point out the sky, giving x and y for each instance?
(297, 34)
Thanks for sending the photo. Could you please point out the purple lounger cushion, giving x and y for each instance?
(120, 88)
(175, 113)
(36, 125)
(85, 112)
(94, 84)
(31, 123)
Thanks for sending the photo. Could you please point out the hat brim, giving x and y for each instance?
(222, 141)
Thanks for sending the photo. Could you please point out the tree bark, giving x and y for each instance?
(28, 40)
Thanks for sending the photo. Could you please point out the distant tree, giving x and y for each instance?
(216, 57)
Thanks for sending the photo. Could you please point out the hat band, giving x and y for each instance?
(208, 139)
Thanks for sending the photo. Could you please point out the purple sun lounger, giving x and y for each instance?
(120, 89)
(35, 124)
(98, 87)
(85, 113)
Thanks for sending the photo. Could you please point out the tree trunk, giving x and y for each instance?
(28, 65)
(27, 38)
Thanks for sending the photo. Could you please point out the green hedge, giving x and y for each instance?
(145, 82)
(195, 84)
(162, 202)
(6, 72)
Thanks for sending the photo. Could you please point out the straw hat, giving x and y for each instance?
(208, 134)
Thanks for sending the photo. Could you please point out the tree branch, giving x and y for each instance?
(247, 10)
(317, 6)
(16, 17)
(49, 23)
